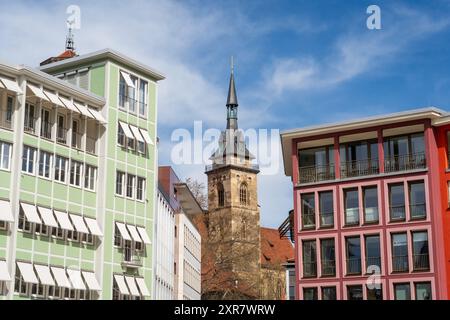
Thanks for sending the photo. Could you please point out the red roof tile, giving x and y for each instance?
(273, 249)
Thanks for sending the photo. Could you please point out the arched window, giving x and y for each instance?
(243, 196)
(220, 195)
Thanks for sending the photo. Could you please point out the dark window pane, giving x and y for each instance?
(417, 199)
(326, 208)
(353, 246)
(373, 251)
(308, 210)
(420, 251)
(402, 291)
(397, 201)
(328, 293)
(370, 204)
(400, 252)
(309, 293)
(351, 206)
(309, 259)
(423, 291)
(328, 257)
(355, 292)
(375, 293)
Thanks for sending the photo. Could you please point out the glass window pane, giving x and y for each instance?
(309, 259)
(326, 208)
(351, 206)
(355, 292)
(420, 251)
(423, 291)
(328, 257)
(402, 291)
(373, 257)
(417, 199)
(308, 210)
(328, 293)
(309, 293)
(375, 293)
(397, 201)
(353, 246)
(400, 252)
(370, 204)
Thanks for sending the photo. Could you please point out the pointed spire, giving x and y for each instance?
(232, 96)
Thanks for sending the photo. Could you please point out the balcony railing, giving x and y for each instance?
(308, 219)
(76, 140)
(373, 261)
(359, 168)
(6, 119)
(354, 266)
(46, 129)
(328, 267)
(326, 219)
(30, 124)
(316, 173)
(309, 269)
(421, 262)
(400, 263)
(418, 211)
(91, 145)
(397, 212)
(61, 135)
(405, 162)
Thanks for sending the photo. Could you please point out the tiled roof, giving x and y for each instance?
(273, 249)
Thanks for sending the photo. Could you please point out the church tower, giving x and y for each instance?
(233, 214)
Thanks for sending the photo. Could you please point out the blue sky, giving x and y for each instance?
(298, 63)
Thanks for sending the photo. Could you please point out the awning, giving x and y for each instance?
(146, 136)
(123, 231)
(44, 275)
(91, 281)
(143, 287)
(31, 213)
(38, 92)
(48, 217)
(10, 84)
(4, 274)
(144, 235)
(127, 78)
(84, 110)
(134, 233)
(61, 277)
(69, 104)
(93, 227)
(27, 272)
(137, 133)
(6, 211)
(53, 98)
(79, 224)
(98, 116)
(76, 279)
(126, 130)
(132, 286)
(121, 284)
(63, 219)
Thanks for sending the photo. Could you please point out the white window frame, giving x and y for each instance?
(47, 165)
(26, 155)
(78, 171)
(42, 229)
(145, 102)
(122, 182)
(121, 137)
(3, 146)
(141, 147)
(24, 225)
(60, 167)
(117, 237)
(140, 188)
(18, 284)
(132, 187)
(90, 177)
(87, 238)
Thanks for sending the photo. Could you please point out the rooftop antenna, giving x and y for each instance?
(232, 64)
(70, 44)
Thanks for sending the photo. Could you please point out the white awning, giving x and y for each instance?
(84, 110)
(136, 133)
(144, 235)
(53, 98)
(4, 273)
(30, 213)
(48, 217)
(27, 272)
(126, 130)
(132, 286)
(38, 92)
(91, 281)
(98, 116)
(79, 224)
(134, 233)
(63, 219)
(10, 84)
(61, 277)
(69, 104)
(121, 284)
(146, 136)
(76, 279)
(44, 275)
(123, 231)
(143, 287)
(127, 78)
(6, 211)
(93, 227)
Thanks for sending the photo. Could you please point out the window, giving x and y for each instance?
(117, 237)
(28, 159)
(328, 257)
(291, 274)
(29, 122)
(243, 194)
(122, 91)
(326, 209)
(309, 258)
(132, 95)
(420, 251)
(45, 164)
(5, 155)
(61, 131)
(42, 229)
(370, 198)
(87, 238)
(141, 147)
(359, 158)
(351, 203)
(404, 153)
(89, 177)
(308, 210)
(76, 136)
(9, 108)
(316, 164)
(140, 189)
(120, 136)
(120, 179)
(60, 168)
(402, 291)
(353, 250)
(400, 252)
(20, 286)
(373, 257)
(130, 185)
(423, 290)
(46, 126)
(24, 225)
(131, 143)
(75, 173)
(417, 206)
(397, 202)
(143, 94)
(73, 236)
(328, 293)
(220, 195)
(375, 293)
(309, 293)
(3, 225)
(355, 292)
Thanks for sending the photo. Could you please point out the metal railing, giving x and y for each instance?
(405, 162)
(76, 140)
(400, 263)
(397, 212)
(359, 168)
(373, 261)
(46, 129)
(6, 119)
(326, 219)
(29, 124)
(418, 210)
(309, 269)
(328, 267)
(286, 229)
(91, 145)
(316, 173)
(308, 219)
(421, 261)
(354, 266)
(61, 135)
